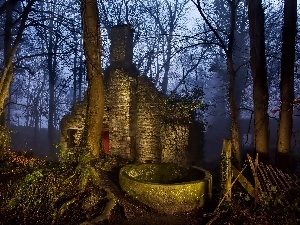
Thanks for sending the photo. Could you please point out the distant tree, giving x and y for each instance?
(95, 91)
(273, 32)
(53, 34)
(240, 57)
(116, 12)
(159, 33)
(11, 43)
(52, 41)
(287, 84)
(226, 40)
(166, 15)
(78, 67)
(187, 69)
(42, 64)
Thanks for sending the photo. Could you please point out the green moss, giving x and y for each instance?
(152, 184)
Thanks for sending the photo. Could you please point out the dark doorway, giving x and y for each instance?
(71, 137)
(105, 141)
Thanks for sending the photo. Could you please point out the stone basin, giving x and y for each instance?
(168, 188)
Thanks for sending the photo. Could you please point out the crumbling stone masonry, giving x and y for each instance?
(137, 124)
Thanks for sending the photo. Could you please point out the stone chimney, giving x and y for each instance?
(121, 49)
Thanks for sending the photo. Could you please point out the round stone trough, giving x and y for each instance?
(168, 188)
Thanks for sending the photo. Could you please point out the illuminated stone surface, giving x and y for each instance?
(174, 139)
(168, 188)
(149, 121)
(122, 104)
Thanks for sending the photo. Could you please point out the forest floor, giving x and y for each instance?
(33, 191)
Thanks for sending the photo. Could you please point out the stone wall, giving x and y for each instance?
(175, 141)
(176, 132)
(73, 121)
(149, 120)
(122, 107)
(121, 48)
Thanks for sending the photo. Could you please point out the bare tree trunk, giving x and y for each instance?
(36, 124)
(51, 61)
(75, 70)
(92, 48)
(80, 77)
(259, 74)
(287, 84)
(167, 60)
(75, 67)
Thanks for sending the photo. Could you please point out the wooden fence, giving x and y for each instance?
(268, 181)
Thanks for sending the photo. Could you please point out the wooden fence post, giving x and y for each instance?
(226, 171)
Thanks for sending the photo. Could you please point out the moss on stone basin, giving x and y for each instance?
(168, 188)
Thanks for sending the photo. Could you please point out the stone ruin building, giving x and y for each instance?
(139, 124)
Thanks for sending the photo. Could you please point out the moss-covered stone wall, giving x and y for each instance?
(122, 107)
(150, 110)
(174, 139)
(74, 120)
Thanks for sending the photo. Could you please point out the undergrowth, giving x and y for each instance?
(34, 191)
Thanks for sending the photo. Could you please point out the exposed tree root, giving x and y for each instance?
(107, 210)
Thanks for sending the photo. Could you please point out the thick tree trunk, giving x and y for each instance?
(232, 88)
(259, 74)
(92, 48)
(234, 114)
(287, 84)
